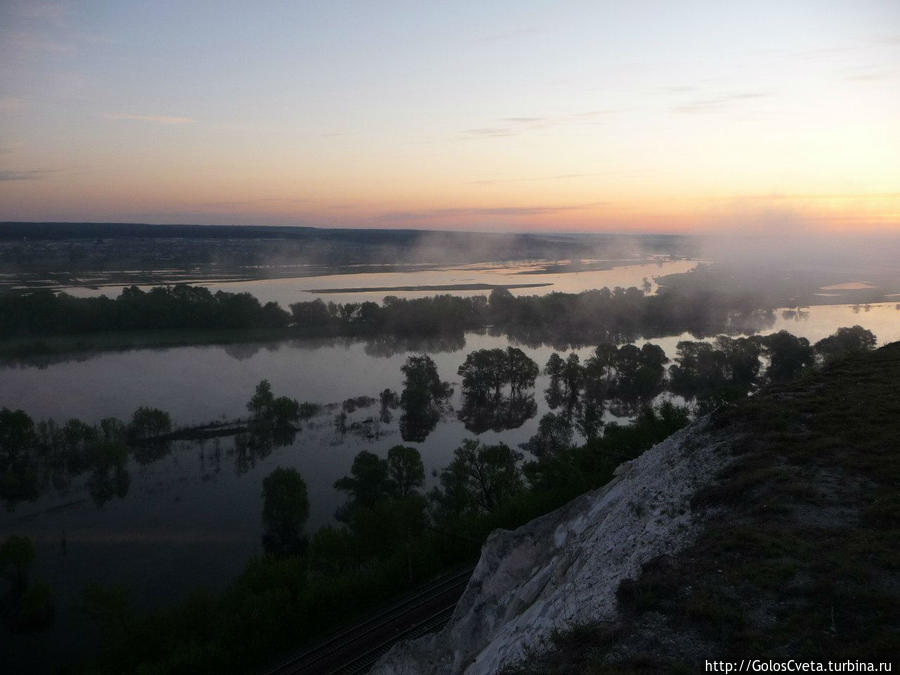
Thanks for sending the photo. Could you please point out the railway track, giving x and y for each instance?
(356, 649)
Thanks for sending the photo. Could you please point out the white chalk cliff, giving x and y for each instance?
(564, 568)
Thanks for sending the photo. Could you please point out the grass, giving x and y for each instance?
(801, 558)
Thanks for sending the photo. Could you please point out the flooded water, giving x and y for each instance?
(622, 273)
(193, 517)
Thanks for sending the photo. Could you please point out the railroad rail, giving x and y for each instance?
(355, 649)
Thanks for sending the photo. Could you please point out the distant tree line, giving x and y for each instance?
(563, 319)
(181, 307)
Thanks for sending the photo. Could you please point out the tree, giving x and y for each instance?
(284, 411)
(405, 470)
(367, 484)
(149, 423)
(486, 404)
(788, 355)
(573, 379)
(521, 371)
(18, 466)
(554, 368)
(285, 510)
(554, 435)
(479, 479)
(845, 341)
(423, 396)
(261, 402)
(483, 374)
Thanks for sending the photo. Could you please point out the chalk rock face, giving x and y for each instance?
(564, 568)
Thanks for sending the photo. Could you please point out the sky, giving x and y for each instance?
(637, 116)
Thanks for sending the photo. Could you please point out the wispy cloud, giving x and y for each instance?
(495, 212)
(151, 119)
(490, 132)
(250, 202)
(713, 103)
(562, 176)
(34, 174)
(513, 126)
(871, 74)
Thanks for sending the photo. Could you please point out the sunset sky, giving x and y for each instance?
(571, 116)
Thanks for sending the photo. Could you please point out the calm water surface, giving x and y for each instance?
(193, 517)
(625, 273)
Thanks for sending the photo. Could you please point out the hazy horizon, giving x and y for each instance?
(513, 117)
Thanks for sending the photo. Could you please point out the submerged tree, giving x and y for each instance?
(423, 396)
(19, 479)
(495, 389)
(148, 423)
(554, 368)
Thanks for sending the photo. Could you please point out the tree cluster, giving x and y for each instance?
(495, 389)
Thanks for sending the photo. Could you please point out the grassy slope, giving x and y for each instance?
(802, 560)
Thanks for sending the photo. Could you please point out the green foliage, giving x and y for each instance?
(422, 399)
(479, 479)
(148, 423)
(617, 315)
(844, 342)
(367, 484)
(803, 548)
(261, 403)
(716, 373)
(553, 436)
(405, 469)
(162, 307)
(285, 510)
(486, 402)
(18, 466)
(788, 355)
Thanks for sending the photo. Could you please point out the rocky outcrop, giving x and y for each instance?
(563, 568)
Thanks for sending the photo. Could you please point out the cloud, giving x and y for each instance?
(712, 103)
(250, 202)
(493, 211)
(151, 119)
(873, 74)
(513, 126)
(524, 120)
(562, 176)
(34, 174)
(489, 132)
